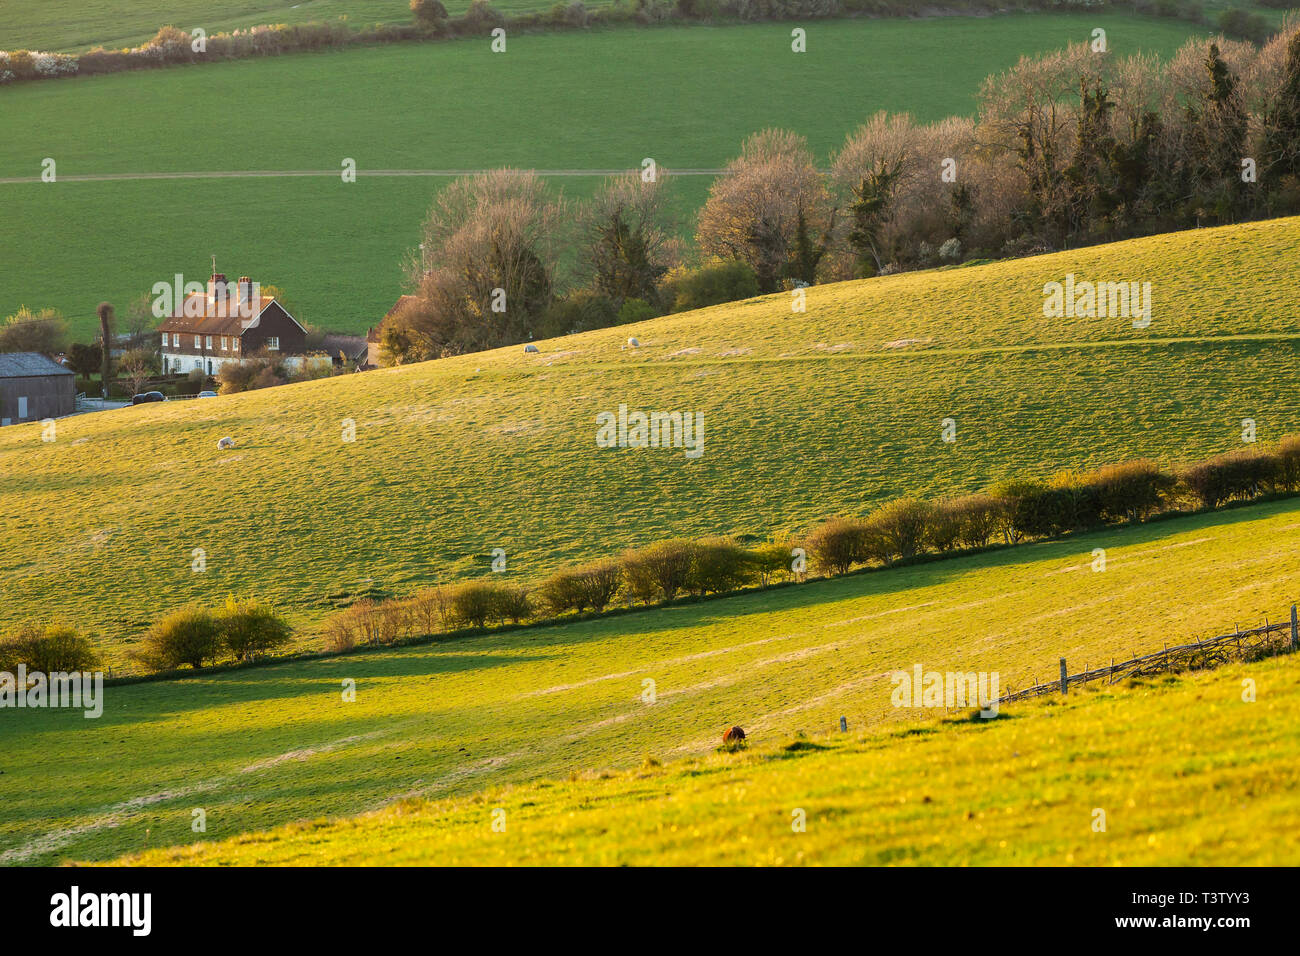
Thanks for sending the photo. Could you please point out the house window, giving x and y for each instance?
(208, 343)
(22, 406)
(234, 345)
(176, 340)
(196, 342)
(223, 343)
(164, 340)
(273, 343)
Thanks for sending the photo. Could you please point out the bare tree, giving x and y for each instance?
(754, 209)
(626, 235)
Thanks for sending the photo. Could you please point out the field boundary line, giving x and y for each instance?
(360, 173)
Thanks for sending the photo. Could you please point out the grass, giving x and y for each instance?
(263, 747)
(1164, 761)
(65, 26)
(336, 248)
(806, 415)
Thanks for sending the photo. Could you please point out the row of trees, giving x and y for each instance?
(1011, 512)
(1069, 148)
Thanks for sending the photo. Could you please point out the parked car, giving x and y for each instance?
(144, 397)
(207, 394)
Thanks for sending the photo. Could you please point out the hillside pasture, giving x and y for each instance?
(1166, 760)
(265, 746)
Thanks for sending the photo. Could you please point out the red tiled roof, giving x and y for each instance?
(218, 317)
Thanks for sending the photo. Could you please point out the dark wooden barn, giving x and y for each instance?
(33, 387)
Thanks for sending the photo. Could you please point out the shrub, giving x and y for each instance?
(1130, 491)
(431, 610)
(979, 515)
(429, 13)
(1238, 475)
(900, 527)
(635, 310)
(770, 559)
(473, 604)
(945, 527)
(340, 634)
(662, 570)
(562, 591)
(51, 649)
(713, 284)
(719, 565)
(579, 311)
(252, 627)
(838, 544)
(1287, 457)
(188, 635)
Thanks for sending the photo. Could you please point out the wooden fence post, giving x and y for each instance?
(1065, 685)
(1295, 630)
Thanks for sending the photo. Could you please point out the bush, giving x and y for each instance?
(1130, 491)
(47, 650)
(429, 13)
(714, 284)
(579, 311)
(252, 627)
(770, 559)
(431, 610)
(899, 528)
(660, 571)
(188, 635)
(635, 310)
(719, 565)
(477, 603)
(838, 544)
(1239, 475)
(1287, 458)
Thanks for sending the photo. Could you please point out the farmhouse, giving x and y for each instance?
(226, 324)
(33, 387)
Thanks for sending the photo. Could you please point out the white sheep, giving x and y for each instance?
(530, 348)
(633, 343)
(225, 443)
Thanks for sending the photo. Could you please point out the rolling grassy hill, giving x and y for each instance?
(686, 96)
(265, 746)
(806, 415)
(1164, 759)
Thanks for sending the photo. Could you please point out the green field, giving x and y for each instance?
(1161, 759)
(266, 746)
(66, 26)
(686, 96)
(807, 415)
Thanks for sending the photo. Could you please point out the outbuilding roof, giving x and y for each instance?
(29, 365)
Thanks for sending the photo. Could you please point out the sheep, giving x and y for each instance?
(530, 348)
(633, 343)
(733, 736)
(225, 443)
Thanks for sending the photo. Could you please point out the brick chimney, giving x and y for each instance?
(245, 289)
(217, 286)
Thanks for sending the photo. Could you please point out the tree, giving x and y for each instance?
(1282, 123)
(869, 212)
(753, 210)
(430, 14)
(137, 367)
(188, 635)
(486, 272)
(85, 359)
(625, 231)
(105, 313)
(27, 331)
